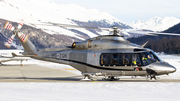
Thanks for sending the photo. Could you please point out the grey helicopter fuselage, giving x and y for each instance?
(110, 55)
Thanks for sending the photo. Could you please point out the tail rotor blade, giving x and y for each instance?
(21, 24)
(23, 37)
(9, 42)
(9, 26)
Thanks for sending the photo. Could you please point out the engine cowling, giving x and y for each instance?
(82, 45)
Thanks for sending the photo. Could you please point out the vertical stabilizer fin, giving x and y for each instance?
(28, 46)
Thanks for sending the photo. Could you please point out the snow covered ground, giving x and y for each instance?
(93, 91)
(88, 91)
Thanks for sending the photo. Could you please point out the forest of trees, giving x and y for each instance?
(161, 43)
(166, 44)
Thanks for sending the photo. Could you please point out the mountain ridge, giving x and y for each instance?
(156, 23)
(38, 11)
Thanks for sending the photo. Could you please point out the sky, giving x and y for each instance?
(131, 10)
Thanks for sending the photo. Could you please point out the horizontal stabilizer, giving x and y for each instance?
(15, 55)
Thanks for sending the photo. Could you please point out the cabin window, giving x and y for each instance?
(121, 59)
(104, 59)
(114, 59)
(126, 59)
(136, 59)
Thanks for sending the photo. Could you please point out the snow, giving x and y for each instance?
(96, 91)
(38, 11)
(89, 91)
(156, 23)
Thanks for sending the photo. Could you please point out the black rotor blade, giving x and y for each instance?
(153, 33)
(165, 33)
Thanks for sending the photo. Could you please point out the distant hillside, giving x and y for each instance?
(38, 37)
(36, 12)
(174, 29)
(161, 43)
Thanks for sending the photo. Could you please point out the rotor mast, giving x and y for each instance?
(115, 31)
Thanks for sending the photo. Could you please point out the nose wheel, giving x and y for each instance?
(152, 77)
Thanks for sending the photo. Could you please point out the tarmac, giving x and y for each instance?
(36, 73)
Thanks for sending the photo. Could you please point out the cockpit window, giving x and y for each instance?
(136, 59)
(155, 56)
(148, 58)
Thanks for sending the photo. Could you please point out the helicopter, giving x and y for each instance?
(109, 56)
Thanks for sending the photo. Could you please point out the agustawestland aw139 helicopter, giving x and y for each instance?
(109, 56)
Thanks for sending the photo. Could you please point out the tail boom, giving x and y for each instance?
(28, 46)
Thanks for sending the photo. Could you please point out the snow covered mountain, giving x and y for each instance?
(156, 23)
(38, 11)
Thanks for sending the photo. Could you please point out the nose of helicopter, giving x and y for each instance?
(164, 68)
(171, 69)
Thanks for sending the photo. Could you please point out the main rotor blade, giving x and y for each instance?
(9, 42)
(69, 26)
(166, 33)
(9, 26)
(154, 33)
(142, 32)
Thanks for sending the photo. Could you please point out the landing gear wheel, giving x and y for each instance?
(86, 78)
(110, 78)
(1, 63)
(89, 77)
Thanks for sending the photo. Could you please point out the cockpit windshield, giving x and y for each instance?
(149, 57)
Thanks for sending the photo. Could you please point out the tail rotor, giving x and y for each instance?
(16, 32)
